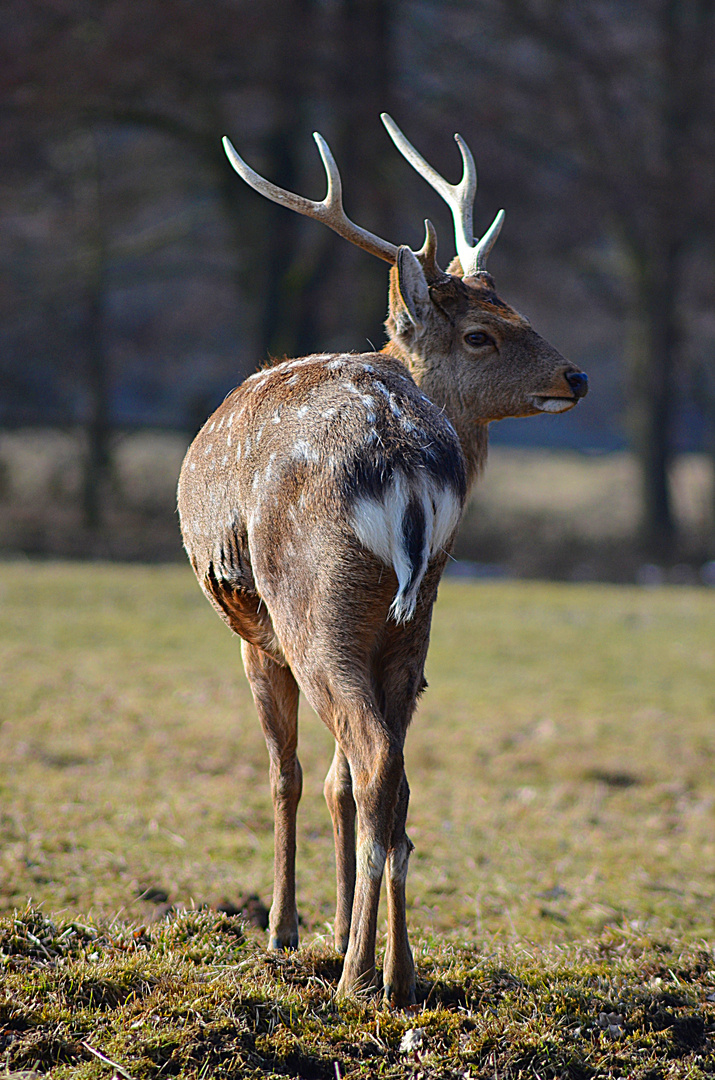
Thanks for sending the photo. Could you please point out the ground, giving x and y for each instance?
(564, 874)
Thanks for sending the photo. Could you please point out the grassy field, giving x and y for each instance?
(561, 889)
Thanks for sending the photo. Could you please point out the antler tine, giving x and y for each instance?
(459, 198)
(330, 210)
(488, 241)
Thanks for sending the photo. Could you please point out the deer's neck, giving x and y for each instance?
(473, 433)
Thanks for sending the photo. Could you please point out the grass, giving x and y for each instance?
(193, 997)
(561, 889)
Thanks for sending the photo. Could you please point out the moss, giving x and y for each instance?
(575, 1013)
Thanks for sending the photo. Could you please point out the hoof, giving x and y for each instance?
(399, 997)
(283, 942)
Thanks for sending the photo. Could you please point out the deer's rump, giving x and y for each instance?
(313, 462)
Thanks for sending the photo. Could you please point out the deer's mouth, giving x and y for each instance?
(544, 403)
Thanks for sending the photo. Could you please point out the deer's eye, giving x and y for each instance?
(477, 338)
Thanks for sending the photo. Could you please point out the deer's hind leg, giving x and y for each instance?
(399, 969)
(275, 693)
(338, 792)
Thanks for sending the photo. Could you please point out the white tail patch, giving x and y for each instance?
(404, 528)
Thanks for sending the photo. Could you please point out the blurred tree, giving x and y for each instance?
(265, 74)
(622, 97)
(93, 251)
(605, 106)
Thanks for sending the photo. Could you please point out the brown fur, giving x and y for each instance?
(289, 498)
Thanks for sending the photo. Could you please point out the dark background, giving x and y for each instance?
(140, 279)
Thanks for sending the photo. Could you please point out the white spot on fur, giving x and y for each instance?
(230, 419)
(224, 459)
(382, 388)
(307, 360)
(269, 468)
(328, 414)
(238, 452)
(208, 448)
(303, 451)
(213, 425)
(256, 381)
(303, 410)
(368, 400)
(277, 417)
(293, 380)
(369, 369)
(371, 858)
(192, 466)
(378, 525)
(334, 365)
(220, 424)
(394, 407)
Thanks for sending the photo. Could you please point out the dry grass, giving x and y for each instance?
(589, 496)
(561, 890)
(569, 515)
(192, 997)
(561, 762)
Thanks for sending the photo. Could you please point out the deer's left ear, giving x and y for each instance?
(409, 294)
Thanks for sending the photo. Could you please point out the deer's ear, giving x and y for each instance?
(409, 294)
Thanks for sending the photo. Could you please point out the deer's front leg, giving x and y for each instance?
(275, 693)
(338, 792)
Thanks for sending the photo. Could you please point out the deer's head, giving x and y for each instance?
(470, 351)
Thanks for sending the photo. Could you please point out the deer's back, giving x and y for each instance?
(312, 461)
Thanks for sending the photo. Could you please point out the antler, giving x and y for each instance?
(459, 198)
(330, 211)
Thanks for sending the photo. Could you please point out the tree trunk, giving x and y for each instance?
(93, 276)
(97, 422)
(364, 60)
(656, 397)
(283, 285)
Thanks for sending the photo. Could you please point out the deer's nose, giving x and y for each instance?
(578, 382)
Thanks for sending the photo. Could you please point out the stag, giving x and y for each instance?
(318, 506)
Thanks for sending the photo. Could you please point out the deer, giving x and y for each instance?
(318, 507)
